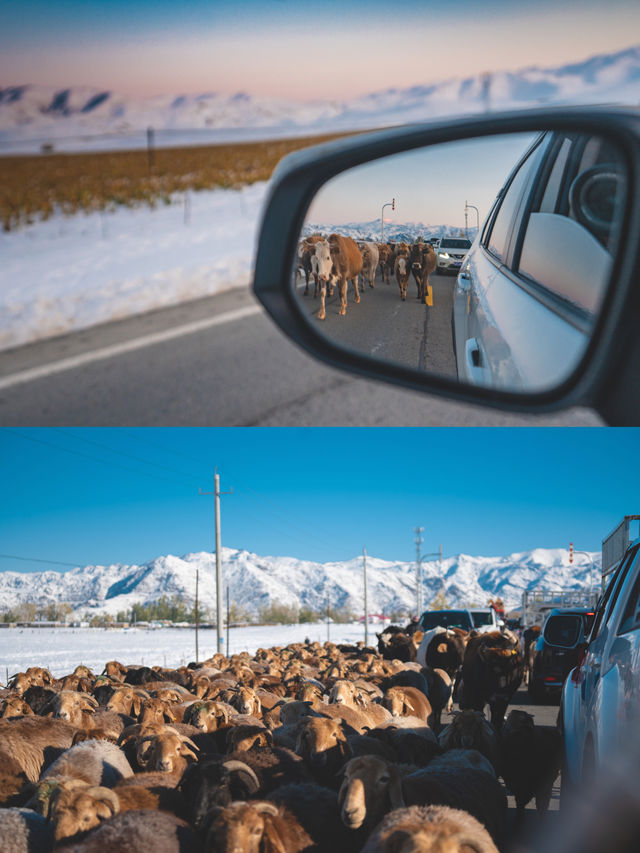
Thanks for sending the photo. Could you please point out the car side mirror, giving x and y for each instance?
(503, 274)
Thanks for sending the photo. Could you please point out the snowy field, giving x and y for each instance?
(62, 649)
(69, 273)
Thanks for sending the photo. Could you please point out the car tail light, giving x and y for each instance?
(577, 676)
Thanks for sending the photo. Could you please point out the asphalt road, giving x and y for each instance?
(384, 326)
(216, 362)
(528, 837)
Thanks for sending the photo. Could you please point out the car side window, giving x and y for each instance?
(505, 221)
(565, 246)
(611, 593)
(631, 616)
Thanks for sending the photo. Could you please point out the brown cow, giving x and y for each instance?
(401, 269)
(384, 252)
(370, 258)
(423, 262)
(347, 265)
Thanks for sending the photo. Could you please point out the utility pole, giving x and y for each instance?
(328, 616)
(419, 540)
(228, 619)
(197, 615)
(219, 620)
(366, 604)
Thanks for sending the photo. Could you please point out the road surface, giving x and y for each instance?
(214, 362)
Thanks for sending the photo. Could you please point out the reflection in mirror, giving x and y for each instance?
(485, 260)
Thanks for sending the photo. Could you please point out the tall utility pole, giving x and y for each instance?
(219, 620)
(419, 540)
(392, 205)
(366, 603)
(197, 614)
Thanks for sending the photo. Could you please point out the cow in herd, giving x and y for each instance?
(339, 259)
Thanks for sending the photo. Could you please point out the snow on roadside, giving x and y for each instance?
(69, 273)
(62, 649)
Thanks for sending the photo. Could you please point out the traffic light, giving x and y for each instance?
(393, 204)
(571, 552)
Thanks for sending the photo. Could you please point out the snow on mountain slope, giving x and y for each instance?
(68, 116)
(397, 231)
(255, 581)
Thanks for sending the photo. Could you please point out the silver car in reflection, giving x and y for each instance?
(530, 288)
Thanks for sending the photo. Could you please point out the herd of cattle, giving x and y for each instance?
(304, 748)
(338, 260)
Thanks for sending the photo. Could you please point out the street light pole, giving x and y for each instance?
(473, 207)
(392, 205)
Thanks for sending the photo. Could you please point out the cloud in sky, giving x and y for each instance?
(297, 49)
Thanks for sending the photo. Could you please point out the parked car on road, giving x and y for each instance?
(600, 707)
(451, 253)
(557, 650)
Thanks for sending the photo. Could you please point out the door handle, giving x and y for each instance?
(474, 362)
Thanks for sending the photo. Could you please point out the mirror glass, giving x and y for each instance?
(485, 260)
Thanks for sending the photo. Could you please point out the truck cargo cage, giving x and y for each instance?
(537, 603)
(616, 543)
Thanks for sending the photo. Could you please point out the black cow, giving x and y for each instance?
(394, 644)
(491, 673)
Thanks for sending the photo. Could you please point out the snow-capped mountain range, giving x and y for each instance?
(66, 117)
(256, 581)
(396, 231)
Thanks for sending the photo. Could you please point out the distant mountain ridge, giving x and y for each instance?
(30, 111)
(396, 231)
(256, 581)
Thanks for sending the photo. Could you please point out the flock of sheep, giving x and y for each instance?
(338, 260)
(305, 748)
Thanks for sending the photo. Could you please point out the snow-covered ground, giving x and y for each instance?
(69, 273)
(62, 649)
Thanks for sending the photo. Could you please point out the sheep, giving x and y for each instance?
(169, 752)
(15, 706)
(244, 738)
(471, 730)
(135, 831)
(463, 759)
(212, 782)
(70, 706)
(253, 827)
(95, 762)
(324, 746)
(530, 760)
(75, 808)
(412, 746)
(370, 788)
(273, 766)
(244, 700)
(345, 693)
(151, 791)
(401, 701)
(316, 809)
(24, 831)
(29, 743)
(429, 829)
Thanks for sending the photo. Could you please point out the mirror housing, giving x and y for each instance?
(606, 377)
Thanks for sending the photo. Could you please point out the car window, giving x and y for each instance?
(507, 215)
(447, 619)
(566, 243)
(563, 629)
(481, 619)
(611, 593)
(631, 616)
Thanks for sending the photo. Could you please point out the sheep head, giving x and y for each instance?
(15, 706)
(467, 729)
(156, 711)
(323, 743)
(244, 828)
(244, 738)
(207, 716)
(70, 706)
(211, 783)
(371, 787)
(75, 808)
(169, 752)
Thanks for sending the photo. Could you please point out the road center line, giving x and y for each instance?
(126, 346)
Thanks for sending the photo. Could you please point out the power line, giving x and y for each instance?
(38, 560)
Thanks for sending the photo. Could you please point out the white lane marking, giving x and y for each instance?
(126, 346)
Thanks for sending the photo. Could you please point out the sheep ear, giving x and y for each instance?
(271, 840)
(395, 790)
(136, 704)
(360, 700)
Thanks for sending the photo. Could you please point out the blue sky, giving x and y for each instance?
(82, 496)
(297, 48)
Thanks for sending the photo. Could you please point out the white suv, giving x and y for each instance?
(485, 619)
(451, 253)
(600, 708)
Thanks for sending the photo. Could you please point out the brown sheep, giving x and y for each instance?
(370, 788)
(244, 738)
(430, 829)
(139, 830)
(323, 745)
(70, 706)
(208, 716)
(30, 744)
(255, 827)
(405, 701)
(168, 752)
(14, 706)
(75, 808)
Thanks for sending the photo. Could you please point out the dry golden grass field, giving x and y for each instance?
(33, 187)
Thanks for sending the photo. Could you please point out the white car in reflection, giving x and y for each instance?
(529, 291)
(451, 252)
